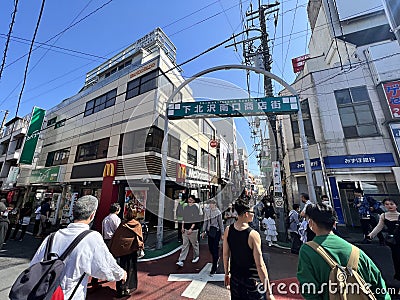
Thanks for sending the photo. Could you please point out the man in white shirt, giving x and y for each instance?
(306, 200)
(90, 257)
(111, 222)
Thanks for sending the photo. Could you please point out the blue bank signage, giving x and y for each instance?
(347, 161)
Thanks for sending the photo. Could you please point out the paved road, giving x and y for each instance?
(153, 275)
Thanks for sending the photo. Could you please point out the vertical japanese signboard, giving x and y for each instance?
(392, 92)
(276, 171)
(32, 136)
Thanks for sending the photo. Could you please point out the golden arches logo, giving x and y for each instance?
(109, 170)
(181, 171)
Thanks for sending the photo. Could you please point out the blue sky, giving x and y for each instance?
(58, 72)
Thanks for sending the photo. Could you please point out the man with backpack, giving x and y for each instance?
(328, 262)
(367, 208)
(90, 257)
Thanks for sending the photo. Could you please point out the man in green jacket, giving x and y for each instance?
(179, 216)
(313, 271)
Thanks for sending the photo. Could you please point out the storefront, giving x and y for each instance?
(340, 175)
(46, 183)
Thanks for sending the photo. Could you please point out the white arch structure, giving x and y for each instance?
(164, 149)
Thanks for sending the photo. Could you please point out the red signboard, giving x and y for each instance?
(298, 62)
(213, 143)
(392, 92)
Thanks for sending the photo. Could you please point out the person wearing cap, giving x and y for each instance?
(214, 227)
(3, 223)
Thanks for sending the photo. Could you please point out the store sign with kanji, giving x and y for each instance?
(392, 92)
(233, 107)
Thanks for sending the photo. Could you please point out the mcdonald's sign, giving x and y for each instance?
(109, 170)
(180, 173)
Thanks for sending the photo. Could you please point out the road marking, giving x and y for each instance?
(198, 281)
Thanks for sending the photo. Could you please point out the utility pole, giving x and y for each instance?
(4, 121)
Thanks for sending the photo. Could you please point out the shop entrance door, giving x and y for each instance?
(346, 192)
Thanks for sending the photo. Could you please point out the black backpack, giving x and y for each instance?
(41, 280)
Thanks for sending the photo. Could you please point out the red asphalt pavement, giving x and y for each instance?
(153, 280)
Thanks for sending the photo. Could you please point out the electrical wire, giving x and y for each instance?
(8, 37)
(29, 56)
(63, 31)
(290, 37)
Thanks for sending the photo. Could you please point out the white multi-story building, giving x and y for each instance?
(11, 143)
(106, 140)
(353, 67)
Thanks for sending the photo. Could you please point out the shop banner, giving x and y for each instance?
(45, 175)
(139, 196)
(12, 175)
(32, 136)
(392, 93)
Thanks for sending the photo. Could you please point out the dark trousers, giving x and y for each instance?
(17, 228)
(36, 227)
(296, 242)
(367, 225)
(213, 246)
(396, 259)
(245, 289)
(10, 227)
(129, 264)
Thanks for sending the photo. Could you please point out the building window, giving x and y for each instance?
(142, 140)
(213, 163)
(60, 124)
(119, 68)
(192, 156)
(19, 143)
(59, 157)
(102, 102)
(51, 121)
(174, 147)
(356, 113)
(207, 129)
(308, 126)
(92, 150)
(204, 159)
(142, 84)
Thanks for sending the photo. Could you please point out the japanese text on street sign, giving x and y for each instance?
(233, 107)
(392, 92)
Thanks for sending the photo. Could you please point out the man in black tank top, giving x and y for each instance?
(245, 271)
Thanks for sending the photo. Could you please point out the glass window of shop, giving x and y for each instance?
(356, 112)
(142, 84)
(308, 125)
(92, 150)
(58, 157)
(141, 140)
(192, 156)
(102, 102)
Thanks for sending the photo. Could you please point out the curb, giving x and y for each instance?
(161, 256)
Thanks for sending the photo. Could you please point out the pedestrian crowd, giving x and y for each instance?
(323, 256)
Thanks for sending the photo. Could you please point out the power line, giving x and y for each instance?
(63, 31)
(29, 56)
(8, 36)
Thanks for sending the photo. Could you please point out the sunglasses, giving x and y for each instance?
(250, 211)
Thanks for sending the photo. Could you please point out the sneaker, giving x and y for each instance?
(212, 273)
(195, 260)
(180, 263)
